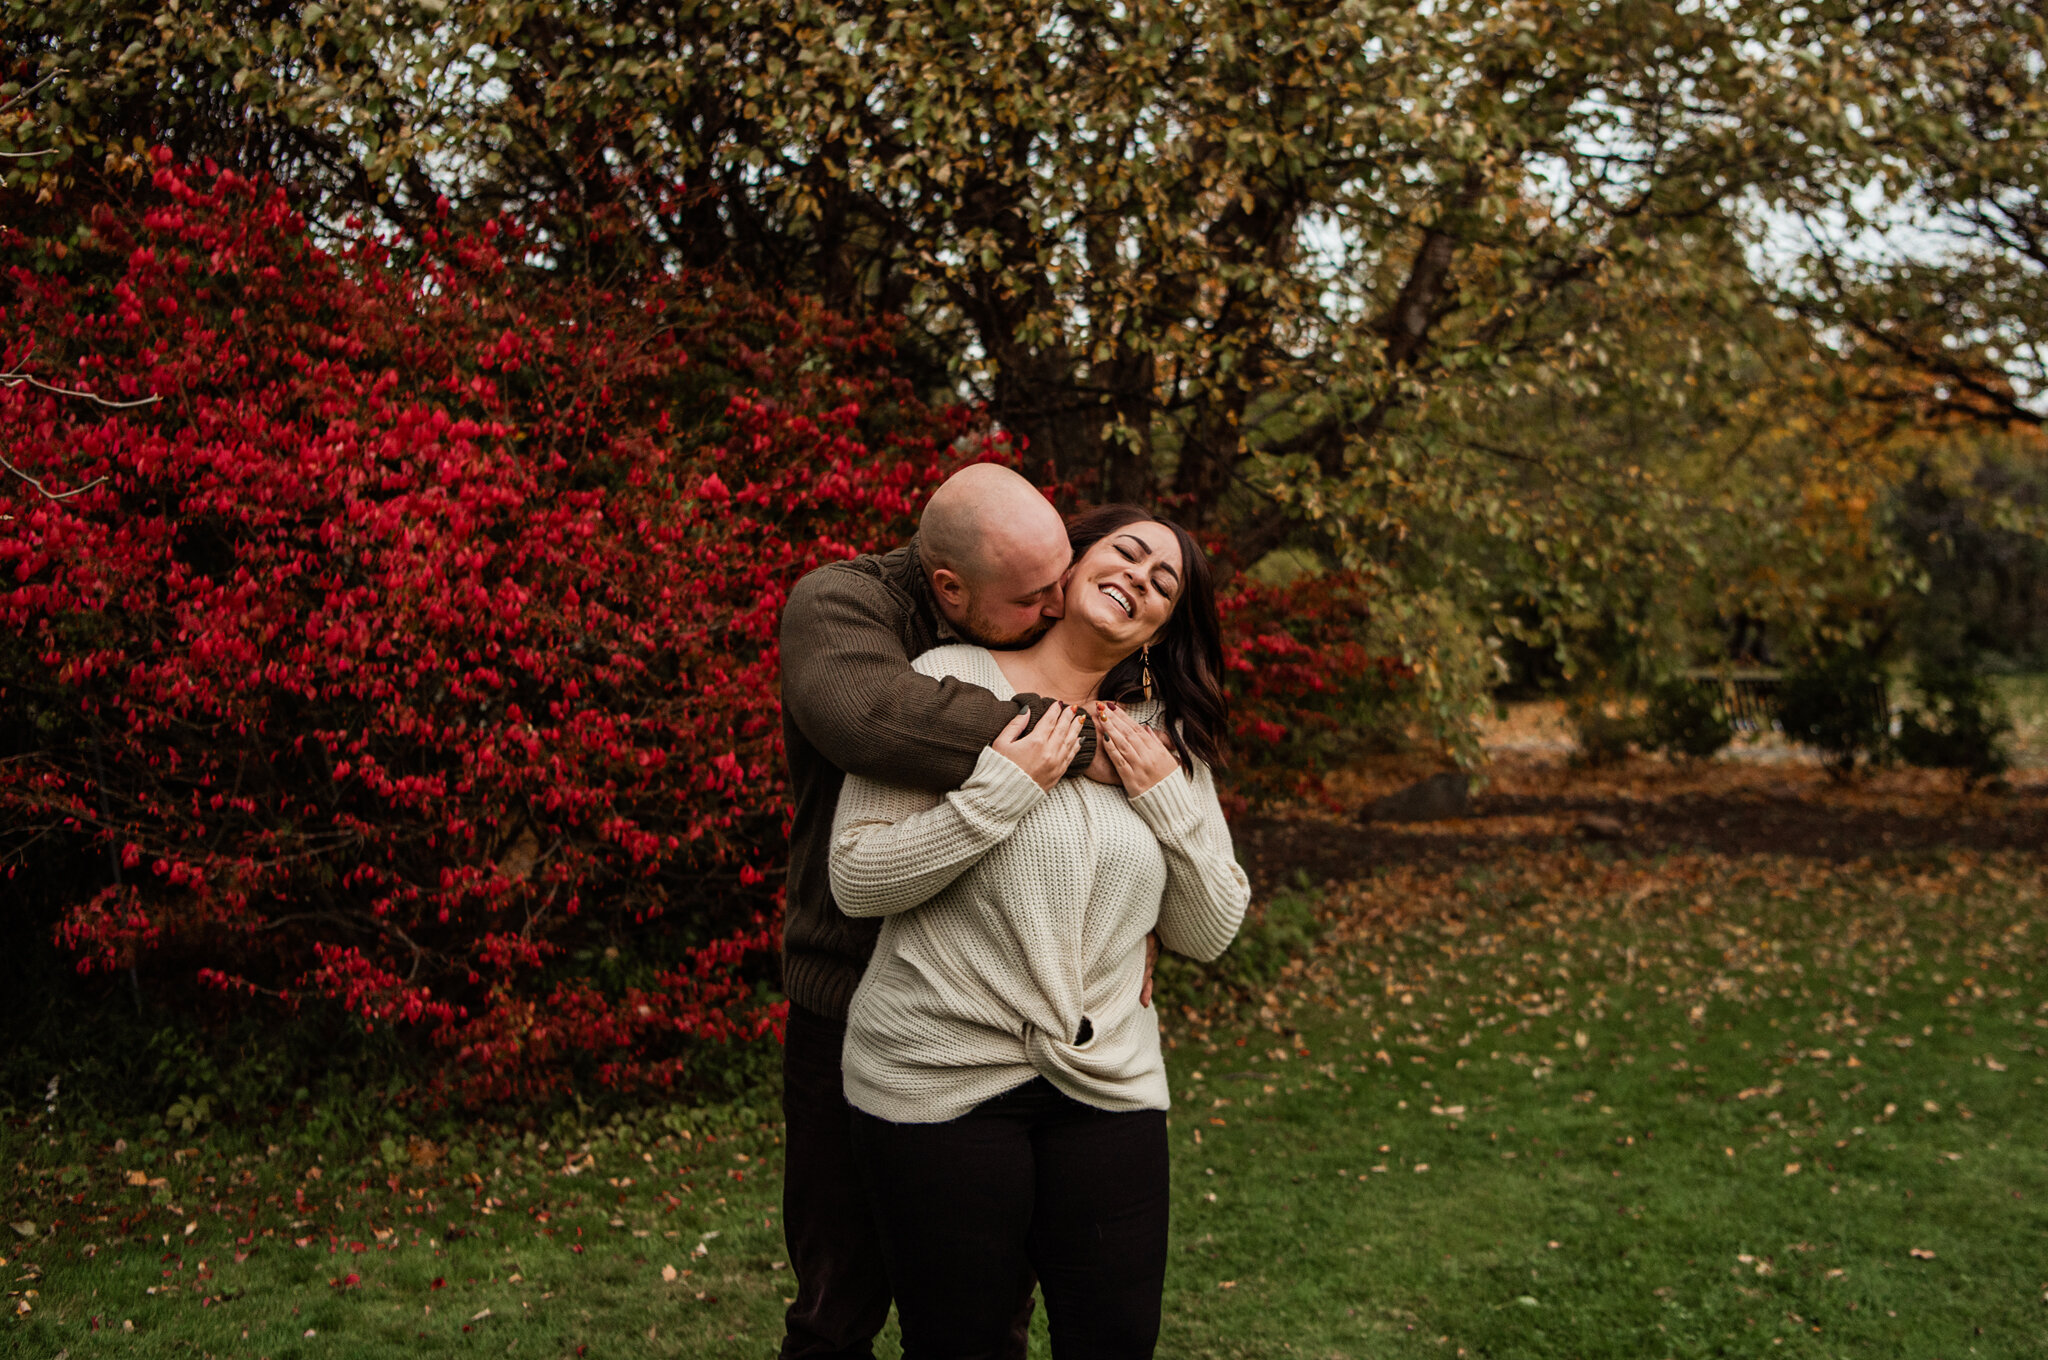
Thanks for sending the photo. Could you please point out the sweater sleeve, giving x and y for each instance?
(1206, 889)
(894, 848)
(850, 688)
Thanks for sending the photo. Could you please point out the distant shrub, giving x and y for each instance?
(1959, 723)
(1834, 701)
(1307, 678)
(1685, 722)
(1606, 729)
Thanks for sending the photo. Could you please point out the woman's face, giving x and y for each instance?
(1126, 585)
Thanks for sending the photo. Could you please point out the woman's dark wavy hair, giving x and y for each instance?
(1187, 661)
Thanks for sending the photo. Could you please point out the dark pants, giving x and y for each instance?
(842, 1285)
(1030, 1180)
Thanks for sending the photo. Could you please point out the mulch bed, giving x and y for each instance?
(1646, 808)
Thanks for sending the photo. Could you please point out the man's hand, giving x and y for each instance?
(1151, 958)
(1048, 750)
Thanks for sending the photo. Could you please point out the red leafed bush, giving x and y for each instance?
(413, 648)
(396, 625)
(1304, 679)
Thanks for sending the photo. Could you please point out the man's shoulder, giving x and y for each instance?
(869, 579)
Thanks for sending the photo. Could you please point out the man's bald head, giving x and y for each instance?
(994, 550)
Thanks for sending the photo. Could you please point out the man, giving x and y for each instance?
(985, 567)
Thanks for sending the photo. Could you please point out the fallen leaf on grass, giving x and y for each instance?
(668, 1274)
(479, 1315)
(1226, 1284)
(26, 1227)
(1921, 1254)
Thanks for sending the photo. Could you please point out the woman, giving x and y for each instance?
(1008, 1087)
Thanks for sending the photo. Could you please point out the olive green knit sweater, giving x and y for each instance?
(851, 704)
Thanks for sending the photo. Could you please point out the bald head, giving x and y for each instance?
(994, 550)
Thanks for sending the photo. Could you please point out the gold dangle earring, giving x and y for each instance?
(1146, 679)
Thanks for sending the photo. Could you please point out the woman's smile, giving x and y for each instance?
(1138, 572)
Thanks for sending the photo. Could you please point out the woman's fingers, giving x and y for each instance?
(1115, 741)
(1141, 756)
(1047, 750)
(1064, 738)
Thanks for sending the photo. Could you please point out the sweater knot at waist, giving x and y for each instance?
(1085, 1058)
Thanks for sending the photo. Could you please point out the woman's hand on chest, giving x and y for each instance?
(1141, 756)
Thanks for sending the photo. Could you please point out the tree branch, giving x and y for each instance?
(17, 379)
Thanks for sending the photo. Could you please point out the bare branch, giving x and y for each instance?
(20, 95)
(21, 379)
(46, 493)
(16, 99)
(17, 379)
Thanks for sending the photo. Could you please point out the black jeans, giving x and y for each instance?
(842, 1286)
(1030, 1180)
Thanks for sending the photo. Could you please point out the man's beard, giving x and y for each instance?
(977, 629)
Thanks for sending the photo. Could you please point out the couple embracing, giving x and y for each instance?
(1000, 738)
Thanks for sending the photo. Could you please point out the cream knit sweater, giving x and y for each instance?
(1013, 915)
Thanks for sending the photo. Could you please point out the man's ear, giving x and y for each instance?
(948, 586)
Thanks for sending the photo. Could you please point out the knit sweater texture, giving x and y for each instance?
(851, 704)
(1014, 923)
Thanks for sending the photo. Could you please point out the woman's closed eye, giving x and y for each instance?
(1161, 579)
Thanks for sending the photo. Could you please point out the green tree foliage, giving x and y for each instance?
(1927, 233)
(1457, 293)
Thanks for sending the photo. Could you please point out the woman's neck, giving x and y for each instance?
(1068, 663)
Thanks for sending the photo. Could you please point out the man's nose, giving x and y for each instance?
(1055, 605)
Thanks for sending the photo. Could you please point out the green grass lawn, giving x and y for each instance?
(1552, 1104)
